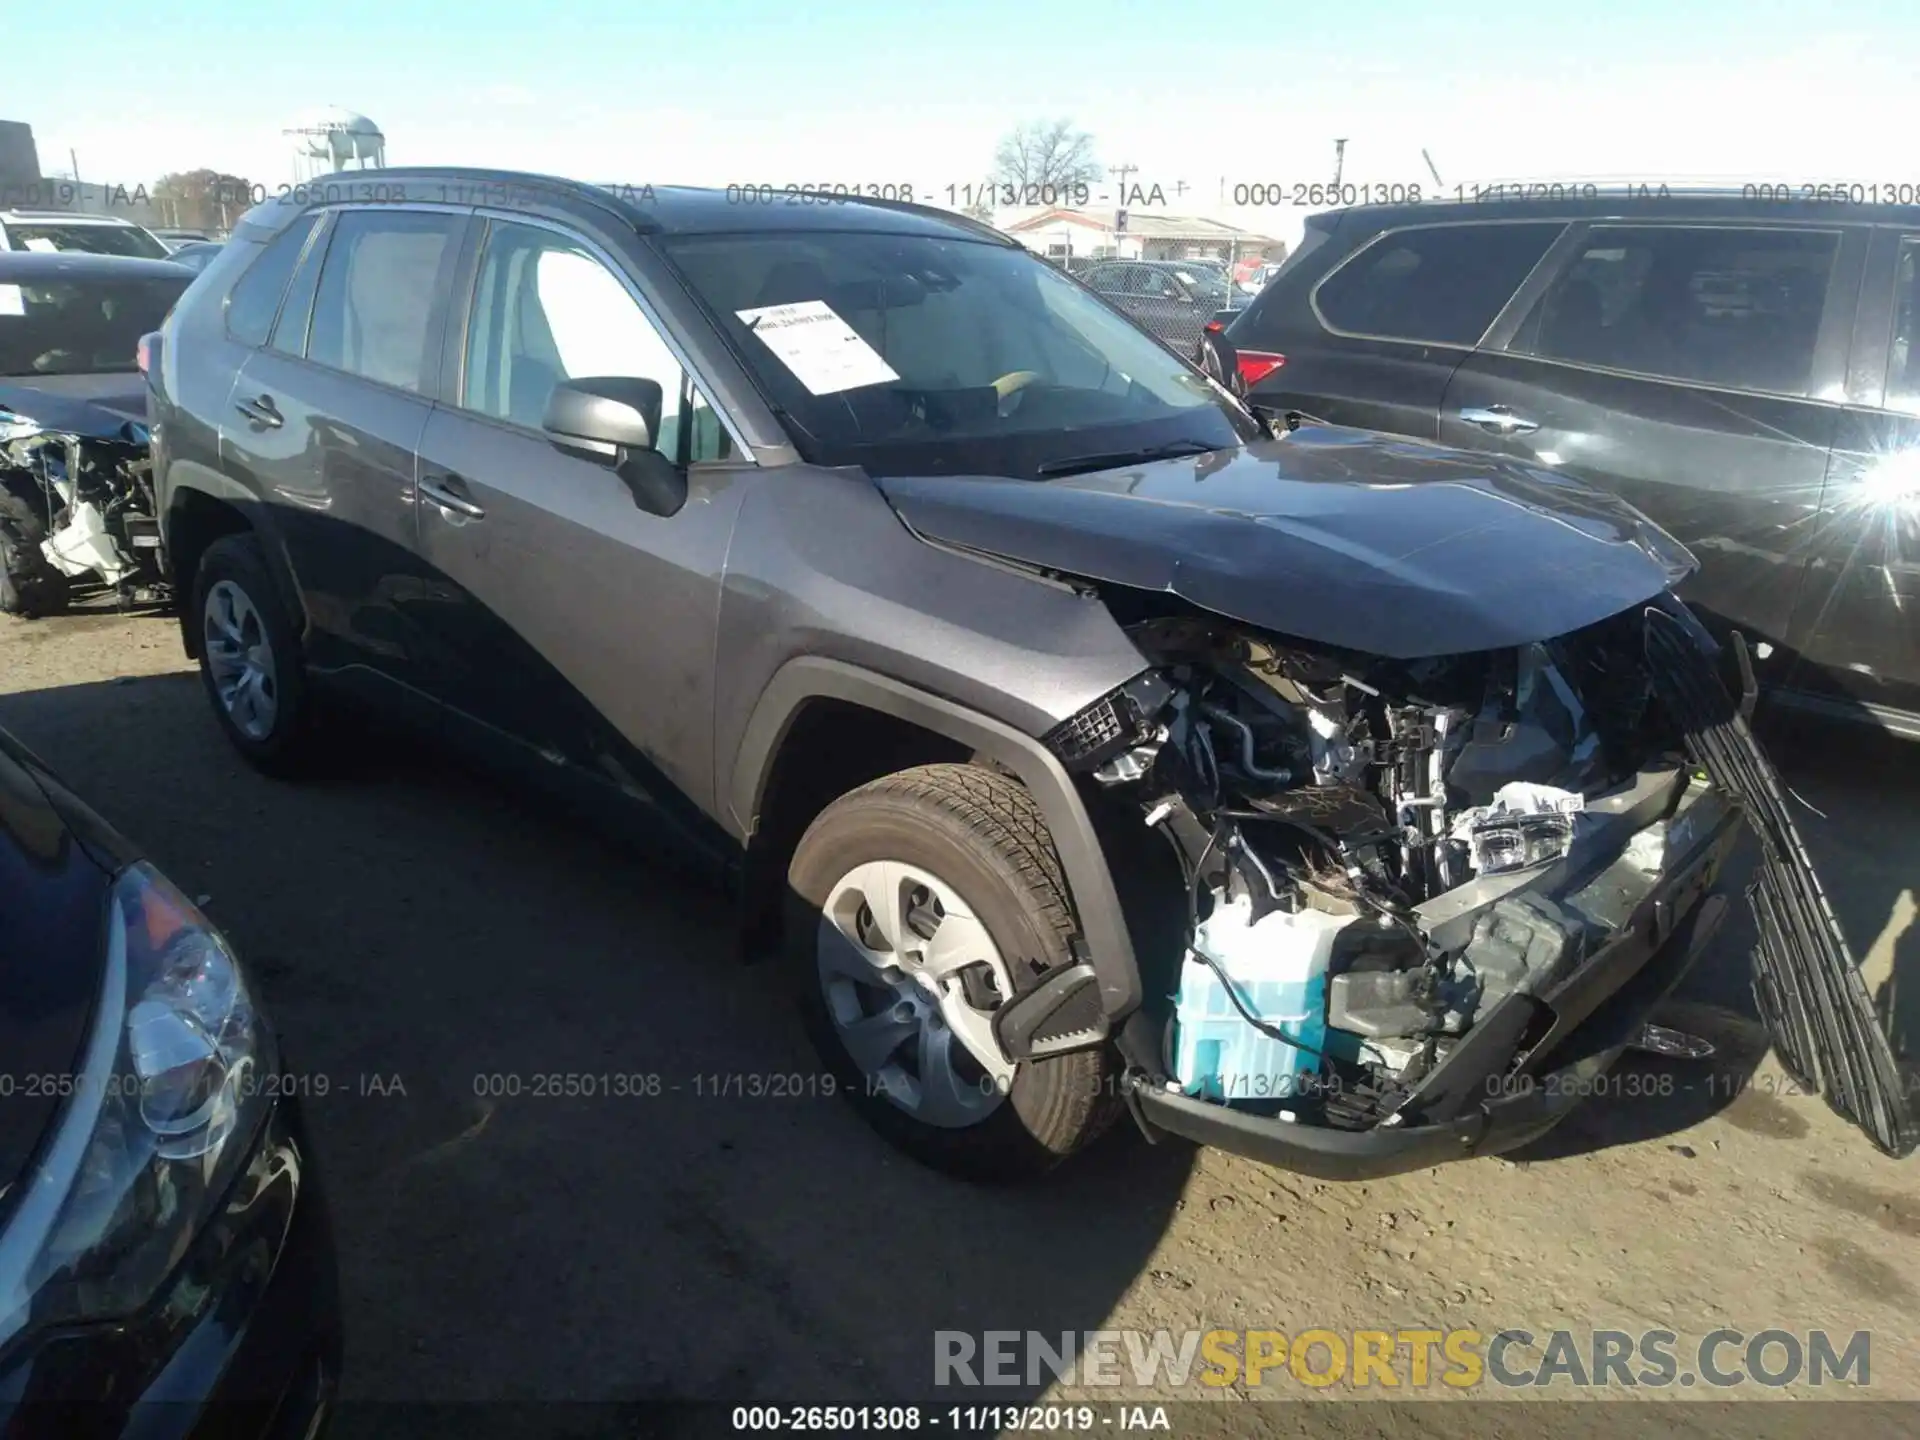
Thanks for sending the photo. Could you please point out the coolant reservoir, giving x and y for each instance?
(1278, 966)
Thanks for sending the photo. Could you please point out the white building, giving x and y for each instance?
(1062, 234)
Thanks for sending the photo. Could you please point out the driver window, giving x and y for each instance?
(545, 310)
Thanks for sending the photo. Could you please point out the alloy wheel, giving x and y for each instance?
(240, 660)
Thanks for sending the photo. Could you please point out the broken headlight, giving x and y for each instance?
(166, 1099)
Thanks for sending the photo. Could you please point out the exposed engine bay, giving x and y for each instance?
(1390, 861)
(77, 507)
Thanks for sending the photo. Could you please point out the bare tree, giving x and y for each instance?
(1045, 152)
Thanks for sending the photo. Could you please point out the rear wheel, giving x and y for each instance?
(250, 659)
(29, 586)
(918, 905)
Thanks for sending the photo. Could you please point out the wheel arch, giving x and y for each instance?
(812, 692)
(196, 517)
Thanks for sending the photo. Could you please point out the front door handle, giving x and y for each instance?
(449, 492)
(1499, 420)
(261, 411)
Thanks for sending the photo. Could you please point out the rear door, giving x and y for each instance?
(568, 621)
(1374, 343)
(327, 420)
(1859, 611)
(1692, 369)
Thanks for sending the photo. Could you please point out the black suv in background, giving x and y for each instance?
(1738, 365)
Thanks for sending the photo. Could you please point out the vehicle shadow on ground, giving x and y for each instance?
(450, 966)
(1854, 793)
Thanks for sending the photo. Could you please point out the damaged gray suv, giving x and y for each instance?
(1344, 801)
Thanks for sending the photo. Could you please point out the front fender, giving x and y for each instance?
(1089, 879)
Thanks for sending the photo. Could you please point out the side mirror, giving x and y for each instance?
(615, 420)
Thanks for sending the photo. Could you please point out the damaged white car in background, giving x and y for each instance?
(76, 482)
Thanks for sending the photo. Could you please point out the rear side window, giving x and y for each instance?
(255, 298)
(1441, 284)
(373, 311)
(1714, 305)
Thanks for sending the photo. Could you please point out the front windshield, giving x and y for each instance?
(82, 326)
(928, 355)
(87, 239)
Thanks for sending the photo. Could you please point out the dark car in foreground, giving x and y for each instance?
(166, 1258)
(1739, 365)
(76, 490)
(1339, 799)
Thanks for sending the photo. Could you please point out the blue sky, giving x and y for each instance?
(861, 91)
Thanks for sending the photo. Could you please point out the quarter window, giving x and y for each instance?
(1712, 305)
(1441, 284)
(290, 330)
(373, 311)
(255, 298)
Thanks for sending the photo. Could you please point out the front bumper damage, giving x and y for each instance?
(1481, 1100)
(1806, 983)
(1437, 899)
(81, 507)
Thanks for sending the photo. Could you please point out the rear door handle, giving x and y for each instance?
(449, 492)
(1499, 420)
(261, 411)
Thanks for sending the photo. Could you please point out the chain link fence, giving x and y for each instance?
(1174, 298)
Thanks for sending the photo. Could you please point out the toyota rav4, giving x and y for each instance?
(1342, 800)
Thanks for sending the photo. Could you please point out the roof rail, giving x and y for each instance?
(604, 196)
(609, 196)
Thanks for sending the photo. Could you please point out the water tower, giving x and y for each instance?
(333, 139)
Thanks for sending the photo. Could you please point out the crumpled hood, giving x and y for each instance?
(1393, 547)
(94, 407)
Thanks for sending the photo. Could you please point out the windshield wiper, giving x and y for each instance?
(1080, 464)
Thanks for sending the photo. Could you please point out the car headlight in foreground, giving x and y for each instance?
(166, 1099)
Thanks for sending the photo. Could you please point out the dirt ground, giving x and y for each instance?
(417, 930)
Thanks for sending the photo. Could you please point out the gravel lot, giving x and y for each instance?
(418, 925)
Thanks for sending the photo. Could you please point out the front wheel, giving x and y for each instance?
(29, 585)
(918, 905)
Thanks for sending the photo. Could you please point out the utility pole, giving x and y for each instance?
(1123, 170)
(1432, 169)
(1339, 160)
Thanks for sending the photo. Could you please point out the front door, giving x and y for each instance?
(569, 622)
(1688, 369)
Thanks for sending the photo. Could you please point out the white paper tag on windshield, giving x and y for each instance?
(824, 353)
(12, 300)
(41, 243)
